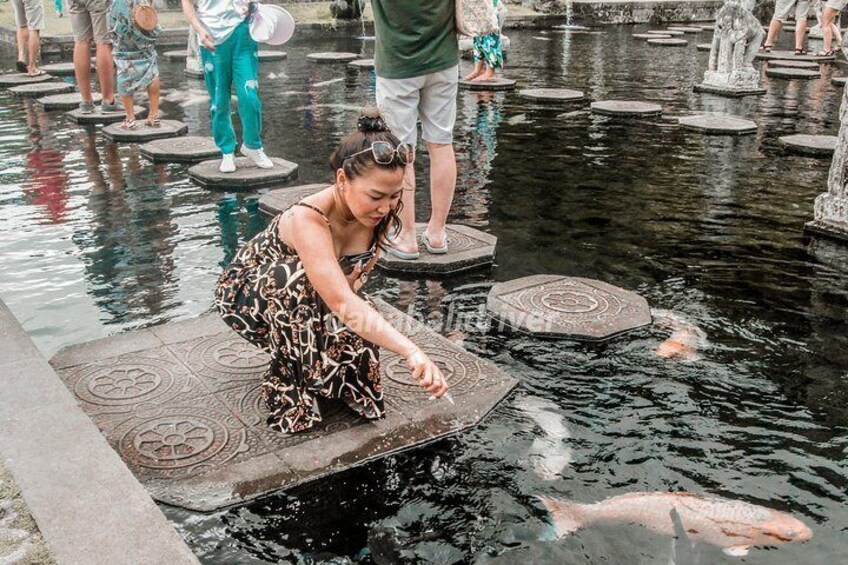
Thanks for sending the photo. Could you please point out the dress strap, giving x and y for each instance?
(317, 209)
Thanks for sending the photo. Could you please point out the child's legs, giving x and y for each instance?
(246, 82)
(218, 76)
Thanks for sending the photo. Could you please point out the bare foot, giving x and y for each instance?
(472, 75)
(487, 75)
(405, 244)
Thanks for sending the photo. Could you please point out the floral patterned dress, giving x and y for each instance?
(266, 297)
(488, 48)
(133, 50)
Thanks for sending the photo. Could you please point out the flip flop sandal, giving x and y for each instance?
(38, 74)
(21, 66)
(404, 255)
(128, 124)
(434, 250)
(799, 52)
(766, 48)
(825, 53)
(153, 122)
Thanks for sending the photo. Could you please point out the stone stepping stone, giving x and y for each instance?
(193, 73)
(65, 101)
(498, 84)
(839, 81)
(333, 57)
(246, 177)
(810, 145)
(176, 55)
(180, 403)
(650, 36)
(687, 29)
(704, 46)
(728, 92)
(709, 27)
(143, 133)
(567, 307)
(783, 54)
(467, 249)
(362, 64)
(558, 95)
(268, 55)
(98, 117)
(812, 65)
(39, 89)
(60, 69)
(625, 108)
(187, 149)
(18, 79)
(787, 73)
(665, 32)
(281, 199)
(672, 42)
(718, 125)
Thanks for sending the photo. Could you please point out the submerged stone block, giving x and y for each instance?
(187, 149)
(468, 249)
(567, 307)
(39, 89)
(184, 412)
(142, 133)
(246, 177)
(810, 145)
(65, 101)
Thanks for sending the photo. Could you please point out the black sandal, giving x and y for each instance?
(799, 52)
(828, 53)
(766, 48)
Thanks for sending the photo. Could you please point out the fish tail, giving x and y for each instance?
(567, 517)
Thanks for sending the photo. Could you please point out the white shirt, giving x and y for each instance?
(219, 17)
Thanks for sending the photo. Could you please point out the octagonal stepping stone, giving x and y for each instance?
(60, 69)
(187, 149)
(839, 81)
(788, 73)
(665, 32)
(143, 133)
(650, 36)
(783, 54)
(333, 57)
(718, 125)
(39, 89)
(18, 79)
(99, 117)
(704, 46)
(193, 73)
(176, 55)
(246, 177)
(499, 83)
(626, 108)
(708, 27)
(362, 64)
(554, 95)
(281, 199)
(673, 42)
(810, 145)
(267, 55)
(567, 307)
(181, 405)
(65, 101)
(468, 249)
(793, 64)
(687, 29)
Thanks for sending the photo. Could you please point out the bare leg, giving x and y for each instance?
(478, 68)
(129, 106)
(105, 71)
(774, 29)
(488, 74)
(442, 186)
(22, 35)
(34, 45)
(406, 239)
(837, 35)
(827, 28)
(82, 68)
(801, 33)
(153, 99)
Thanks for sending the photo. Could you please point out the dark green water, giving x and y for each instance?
(96, 240)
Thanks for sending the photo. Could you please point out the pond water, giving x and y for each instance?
(95, 241)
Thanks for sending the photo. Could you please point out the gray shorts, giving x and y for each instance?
(837, 5)
(29, 14)
(430, 98)
(88, 20)
(785, 8)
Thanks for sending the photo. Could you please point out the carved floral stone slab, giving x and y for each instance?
(568, 307)
(468, 249)
(665, 32)
(704, 46)
(839, 81)
(186, 149)
(279, 199)
(181, 405)
(362, 64)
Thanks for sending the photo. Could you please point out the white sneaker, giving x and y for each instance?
(258, 156)
(228, 163)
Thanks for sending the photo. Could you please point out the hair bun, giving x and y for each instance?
(370, 121)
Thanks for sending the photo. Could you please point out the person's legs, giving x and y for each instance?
(99, 12)
(129, 108)
(246, 83)
(782, 10)
(442, 186)
(34, 12)
(21, 33)
(153, 101)
(34, 46)
(828, 14)
(81, 26)
(802, 7)
(218, 77)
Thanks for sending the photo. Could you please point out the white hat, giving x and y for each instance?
(271, 24)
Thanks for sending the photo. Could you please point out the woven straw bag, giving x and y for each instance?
(144, 16)
(476, 17)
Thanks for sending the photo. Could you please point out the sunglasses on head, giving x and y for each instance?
(384, 152)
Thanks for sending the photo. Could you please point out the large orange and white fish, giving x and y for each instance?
(685, 340)
(732, 525)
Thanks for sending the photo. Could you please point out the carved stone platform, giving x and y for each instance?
(686, 29)
(143, 133)
(277, 200)
(61, 69)
(499, 83)
(180, 404)
(39, 89)
(468, 249)
(809, 65)
(782, 54)
(65, 101)
(333, 57)
(673, 42)
(810, 145)
(17, 79)
(362, 64)
(626, 108)
(553, 95)
(718, 125)
(839, 81)
(650, 36)
(704, 46)
(567, 307)
(246, 177)
(787, 73)
(187, 149)
(665, 32)
(98, 117)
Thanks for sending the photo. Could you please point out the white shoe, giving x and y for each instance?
(228, 163)
(258, 156)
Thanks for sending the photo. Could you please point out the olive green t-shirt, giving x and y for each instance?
(414, 37)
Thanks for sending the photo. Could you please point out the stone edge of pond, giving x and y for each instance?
(98, 512)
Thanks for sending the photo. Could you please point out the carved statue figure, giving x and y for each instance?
(737, 38)
(831, 207)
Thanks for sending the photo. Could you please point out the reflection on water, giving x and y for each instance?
(96, 240)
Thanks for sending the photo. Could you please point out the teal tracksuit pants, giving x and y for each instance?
(234, 63)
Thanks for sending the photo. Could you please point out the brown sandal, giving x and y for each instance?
(153, 122)
(128, 123)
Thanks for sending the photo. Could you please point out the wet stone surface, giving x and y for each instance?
(720, 125)
(60, 69)
(187, 149)
(17, 79)
(275, 201)
(673, 42)
(143, 133)
(788, 73)
(468, 249)
(626, 108)
(40, 89)
(98, 117)
(552, 94)
(499, 83)
(181, 405)
(246, 177)
(363, 64)
(567, 307)
(65, 101)
(333, 57)
(811, 145)
(810, 65)
(782, 54)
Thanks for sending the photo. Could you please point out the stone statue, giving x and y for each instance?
(831, 208)
(193, 54)
(736, 39)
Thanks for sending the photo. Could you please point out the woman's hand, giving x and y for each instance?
(427, 373)
(205, 39)
(353, 277)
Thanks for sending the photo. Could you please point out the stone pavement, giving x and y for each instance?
(180, 404)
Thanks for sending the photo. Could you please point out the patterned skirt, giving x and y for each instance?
(313, 354)
(488, 48)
